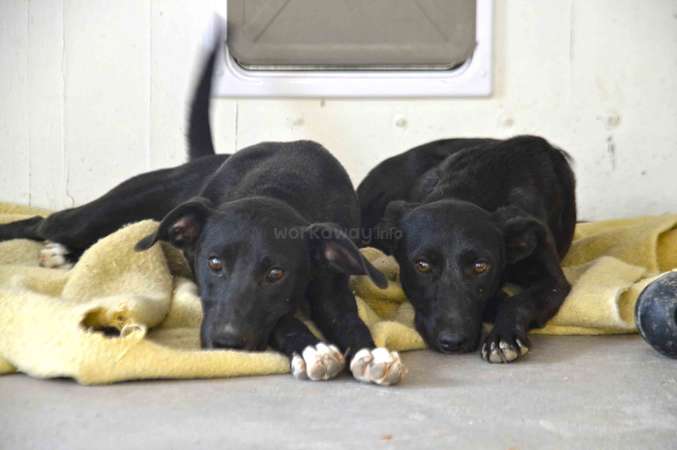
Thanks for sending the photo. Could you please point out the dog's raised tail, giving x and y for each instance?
(200, 141)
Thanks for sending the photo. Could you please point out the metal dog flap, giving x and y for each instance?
(351, 34)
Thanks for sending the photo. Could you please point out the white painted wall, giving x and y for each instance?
(94, 91)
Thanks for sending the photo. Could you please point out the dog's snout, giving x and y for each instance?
(450, 342)
(228, 337)
(227, 340)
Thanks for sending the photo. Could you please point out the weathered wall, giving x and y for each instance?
(94, 91)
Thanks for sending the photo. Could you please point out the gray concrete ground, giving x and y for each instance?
(571, 392)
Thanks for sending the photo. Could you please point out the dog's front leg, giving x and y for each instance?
(334, 310)
(546, 289)
(310, 358)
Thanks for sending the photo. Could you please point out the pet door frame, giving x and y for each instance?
(471, 79)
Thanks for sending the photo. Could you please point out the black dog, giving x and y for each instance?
(265, 233)
(465, 216)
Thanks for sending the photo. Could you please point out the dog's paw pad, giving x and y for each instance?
(53, 256)
(502, 351)
(378, 366)
(319, 362)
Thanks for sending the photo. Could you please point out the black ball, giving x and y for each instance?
(656, 314)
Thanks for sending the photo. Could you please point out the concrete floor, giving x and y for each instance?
(571, 392)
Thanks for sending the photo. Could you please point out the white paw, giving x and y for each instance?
(378, 366)
(53, 255)
(319, 362)
(502, 351)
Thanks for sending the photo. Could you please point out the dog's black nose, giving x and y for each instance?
(228, 340)
(450, 342)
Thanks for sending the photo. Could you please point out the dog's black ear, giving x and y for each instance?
(181, 226)
(332, 246)
(522, 232)
(387, 232)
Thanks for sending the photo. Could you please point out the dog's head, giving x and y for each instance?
(452, 255)
(252, 260)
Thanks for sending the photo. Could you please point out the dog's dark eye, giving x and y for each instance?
(422, 266)
(480, 267)
(274, 275)
(215, 264)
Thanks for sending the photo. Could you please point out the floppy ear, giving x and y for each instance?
(332, 246)
(521, 231)
(181, 226)
(388, 233)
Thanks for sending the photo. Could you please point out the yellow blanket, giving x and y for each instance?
(53, 322)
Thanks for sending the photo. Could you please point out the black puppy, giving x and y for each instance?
(463, 217)
(264, 231)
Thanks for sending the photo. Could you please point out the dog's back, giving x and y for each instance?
(393, 178)
(490, 173)
(525, 171)
(302, 174)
